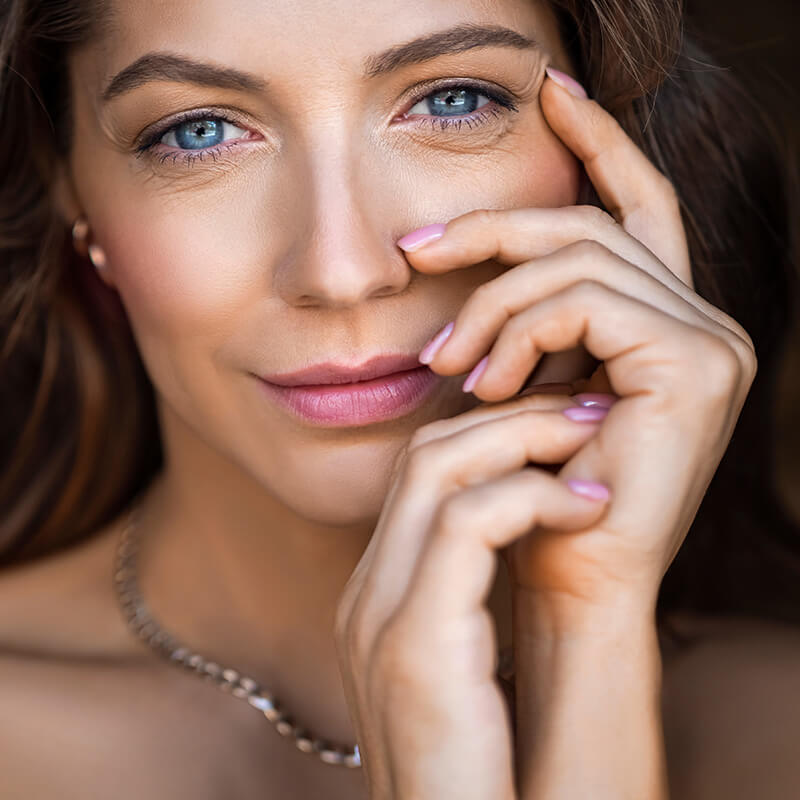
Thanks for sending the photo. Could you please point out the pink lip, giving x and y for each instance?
(329, 372)
(336, 395)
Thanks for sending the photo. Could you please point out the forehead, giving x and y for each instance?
(259, 35)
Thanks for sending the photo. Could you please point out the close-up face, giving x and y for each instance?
(250, 225)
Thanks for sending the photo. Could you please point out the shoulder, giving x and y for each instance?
(63, 603)
(731, 710)
(86, 709)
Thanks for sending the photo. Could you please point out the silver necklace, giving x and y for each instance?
(141, 622)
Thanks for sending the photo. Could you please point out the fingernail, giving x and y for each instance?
(581, 414)
(567, 82)
(432, 347)
(596, 399)
(476, 373)
(590, 489)
(420, 237)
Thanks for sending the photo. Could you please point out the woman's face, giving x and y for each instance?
(273, 248)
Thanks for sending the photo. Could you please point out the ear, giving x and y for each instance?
(62, 189)
(68, 207)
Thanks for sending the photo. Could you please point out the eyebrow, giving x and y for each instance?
(174, 67)
(454, 40)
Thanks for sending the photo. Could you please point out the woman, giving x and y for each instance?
(310, 222)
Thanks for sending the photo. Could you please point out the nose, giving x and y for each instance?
(344, 251)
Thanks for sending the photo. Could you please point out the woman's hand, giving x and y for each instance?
(680, 366)
(620, 286)
(416, 643)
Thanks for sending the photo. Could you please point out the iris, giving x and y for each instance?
(195, 134)
(453, 102)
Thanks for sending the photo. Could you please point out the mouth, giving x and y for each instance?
(335, 395)
(330, 372)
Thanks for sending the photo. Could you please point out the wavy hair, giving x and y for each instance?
(79, 436)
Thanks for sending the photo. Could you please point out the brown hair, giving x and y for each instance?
(79, 436)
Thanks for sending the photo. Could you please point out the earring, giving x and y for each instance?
(97, 256)
(80, 229)
(80, 232)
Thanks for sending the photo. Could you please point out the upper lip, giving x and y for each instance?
(330, 372)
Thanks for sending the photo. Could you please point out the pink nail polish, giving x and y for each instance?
(581, 414)
(596, 399)
(476, 373)
(590, 489)
(429, 351)
(567, 82)
(420, 237)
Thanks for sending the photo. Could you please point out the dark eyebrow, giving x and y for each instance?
(453, 40)
(172, 67)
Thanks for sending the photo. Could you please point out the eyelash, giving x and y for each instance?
(148, 146)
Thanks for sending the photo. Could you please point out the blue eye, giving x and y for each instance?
(455, 101)
(197, 134)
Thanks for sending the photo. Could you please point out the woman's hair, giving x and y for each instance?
(79, 435)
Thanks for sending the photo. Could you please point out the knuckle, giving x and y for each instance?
(482, 295)
(720, 365)
(453, 515)
(481, 216)
(745, 352)
(595, 218)
(587, 252)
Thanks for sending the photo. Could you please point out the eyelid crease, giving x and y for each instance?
(153, 133)
(145, 143)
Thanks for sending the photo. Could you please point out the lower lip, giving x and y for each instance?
(338, 405)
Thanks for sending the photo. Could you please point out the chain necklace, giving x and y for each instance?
(229, 680)
(141, 622)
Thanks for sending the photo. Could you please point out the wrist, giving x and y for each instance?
(622, 616)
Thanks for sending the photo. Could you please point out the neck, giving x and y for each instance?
(238, 577)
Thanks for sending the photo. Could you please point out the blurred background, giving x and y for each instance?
(761, 42)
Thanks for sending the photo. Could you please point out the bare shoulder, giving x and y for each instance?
(731, 710)
(57, 637)
(86, 711)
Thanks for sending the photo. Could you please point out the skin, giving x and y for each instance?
(211, 298)
(224, 273)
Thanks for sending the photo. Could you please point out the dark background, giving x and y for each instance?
(760, 41)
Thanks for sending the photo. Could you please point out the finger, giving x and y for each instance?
(547, 397)
(640, 197)
(645, 349)
(511, 236)
(537, 401)
(495, 304)
(682, 388)
(445, 466)
(456, 567)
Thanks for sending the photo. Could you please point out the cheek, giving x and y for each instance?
(528, 168)
(538, 170)
(188, 273)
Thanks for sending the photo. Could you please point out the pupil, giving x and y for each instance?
(196, 134)
(461, 101)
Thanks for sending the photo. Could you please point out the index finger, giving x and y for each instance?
(638, 195)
